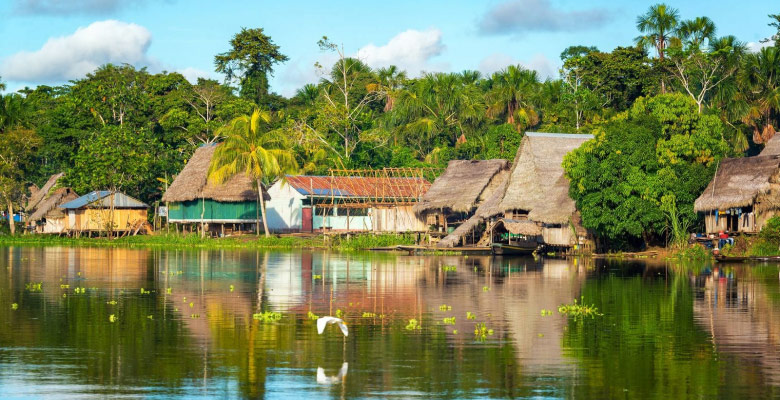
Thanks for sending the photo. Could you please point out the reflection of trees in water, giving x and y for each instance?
(735, 306)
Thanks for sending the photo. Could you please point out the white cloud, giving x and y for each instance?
(755, 47)
(192, 74)
(75, 55)
(498, 61)
(518, 16)
(411, 50)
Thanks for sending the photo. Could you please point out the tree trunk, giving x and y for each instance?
(262, 209)
(11, 224)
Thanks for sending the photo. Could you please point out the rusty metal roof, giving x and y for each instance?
(359, 187)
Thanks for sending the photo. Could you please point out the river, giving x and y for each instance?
(135, 323)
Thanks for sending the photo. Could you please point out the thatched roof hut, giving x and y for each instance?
(192, 182)
(739, 182)
(772, 146)
(49, 207)
(537, 166)
(461, 187)
(519, 227)
(38, 195)
(556, 207)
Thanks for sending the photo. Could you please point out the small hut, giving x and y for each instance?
(377, 203)
(455, 195)
(48, 217)
(557, 215)
(38, 194)
(103, 211)
(743, 194)
(537, 167)
(221, 209)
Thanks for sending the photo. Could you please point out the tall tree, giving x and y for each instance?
(17, 146)
(250, 148)
(759, 79)
(693, 33)
(775, 24)
(512, 96)
(657, 26)
(251, 61)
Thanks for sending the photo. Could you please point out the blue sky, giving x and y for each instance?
(52, 41)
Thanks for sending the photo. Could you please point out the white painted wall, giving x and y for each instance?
(284, 208)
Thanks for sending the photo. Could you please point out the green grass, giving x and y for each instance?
(354, 242)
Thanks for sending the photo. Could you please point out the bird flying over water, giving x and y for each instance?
(327, 320)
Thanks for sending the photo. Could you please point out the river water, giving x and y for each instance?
(129, 323)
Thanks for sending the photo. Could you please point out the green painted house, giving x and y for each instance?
(192, 199)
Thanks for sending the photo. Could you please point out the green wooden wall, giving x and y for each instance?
(246, 211)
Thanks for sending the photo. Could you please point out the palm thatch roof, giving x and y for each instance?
(739, 181)
(491, 197)
(192, 182)
(40, 194)
(537, 167)
(519, 227)
(48, 208)
(772, 147)
(556, 207)
(459, 188)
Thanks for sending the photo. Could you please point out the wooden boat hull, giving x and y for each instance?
(726, 259)
(501, 249)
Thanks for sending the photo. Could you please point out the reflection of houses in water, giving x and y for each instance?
(737, 311)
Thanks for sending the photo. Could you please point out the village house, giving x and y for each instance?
(531, 200)
(455, 195)
(192, 201)
(42, 208)
(383, 203)
(744, 193)
(103, 211)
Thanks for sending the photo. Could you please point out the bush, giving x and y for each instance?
(771, 231)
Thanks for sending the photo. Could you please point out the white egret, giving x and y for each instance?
(327, 320)
(329, 380)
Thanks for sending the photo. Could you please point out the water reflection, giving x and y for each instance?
(190, 324)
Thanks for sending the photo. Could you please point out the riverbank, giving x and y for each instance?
(172, 240)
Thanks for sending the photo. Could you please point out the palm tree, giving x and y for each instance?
(759, 79)
(693, 32)
(437, 105)
(657, 25)
(258, 153)
(512, 95)
(389, 81)
(307, 94)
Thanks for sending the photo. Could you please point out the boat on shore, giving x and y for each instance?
(503, 249)
(736, 259)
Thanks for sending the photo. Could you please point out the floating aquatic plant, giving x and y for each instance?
(413, 325)
(168, 290)
(112, 302)
(470, 315)
(79, 290)
(33, 287)
(449, 268)
(14, 306)
(579, 310)
(449, 321)
(369, 315)
(485, 288)
(232, 288)
(143, 291)
(317, 277)
(445, 307)
(339, 313)
(481, 332)
(454, 331)
(112, 318)
(546, 313)
(268, 316)
(192, 304)
(313, 316)
(64, 286)
(150, 316)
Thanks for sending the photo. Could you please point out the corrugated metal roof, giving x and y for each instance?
(102, 198)
(357, 186)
